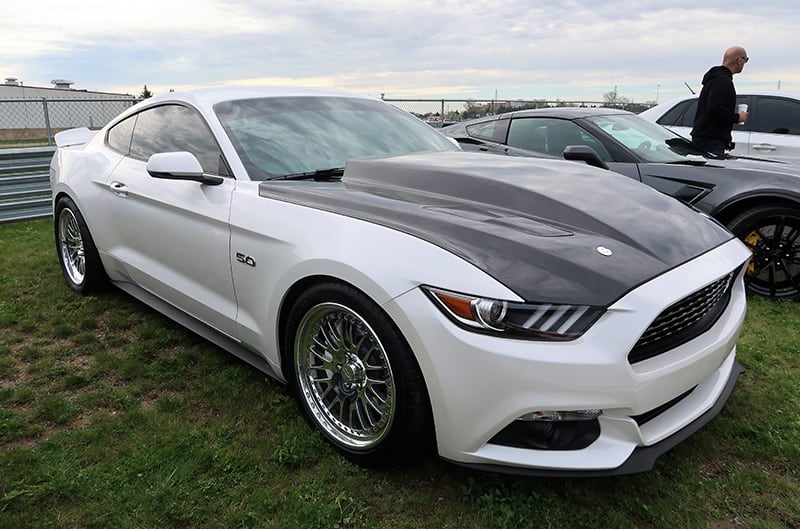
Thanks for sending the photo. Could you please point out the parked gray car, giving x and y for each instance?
(758, 200)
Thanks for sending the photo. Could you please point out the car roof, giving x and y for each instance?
(557, 112)
(774, 93)
(205, 98)
(211, 95)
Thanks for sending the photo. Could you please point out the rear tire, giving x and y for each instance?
(772, 233)
(80, 262)
(356, 378)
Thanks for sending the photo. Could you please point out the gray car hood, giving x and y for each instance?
(551, 231)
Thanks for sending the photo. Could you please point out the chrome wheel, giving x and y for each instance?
(344, 376)
(70, 244)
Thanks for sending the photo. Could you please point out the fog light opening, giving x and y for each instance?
(551, 430)
(559, 416)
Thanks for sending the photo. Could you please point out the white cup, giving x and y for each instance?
(741, 108)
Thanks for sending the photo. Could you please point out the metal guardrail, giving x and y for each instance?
(25, 184)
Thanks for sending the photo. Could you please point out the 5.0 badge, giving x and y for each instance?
(246, 259)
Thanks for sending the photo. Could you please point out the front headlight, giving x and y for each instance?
(537, 321)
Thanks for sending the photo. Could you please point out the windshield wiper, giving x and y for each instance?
(690, 161)
(319, 175)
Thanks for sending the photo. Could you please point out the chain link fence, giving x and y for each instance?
(23, 121)
(443, 112)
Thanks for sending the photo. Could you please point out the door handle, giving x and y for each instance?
(119, 189)
(763, 147)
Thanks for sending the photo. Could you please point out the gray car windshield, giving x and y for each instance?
(280, 136)
(649, 141)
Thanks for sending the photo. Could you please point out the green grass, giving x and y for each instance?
(112, 416)
(22, 144)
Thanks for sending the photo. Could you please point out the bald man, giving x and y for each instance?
(716, 108)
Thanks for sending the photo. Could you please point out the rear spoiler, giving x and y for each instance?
(79, 136)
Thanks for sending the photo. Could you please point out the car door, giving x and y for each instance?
(551, 136)
(741, 133)
(775, 127)
(173, 236)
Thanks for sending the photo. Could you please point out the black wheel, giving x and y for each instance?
(77, 254)
(773, 235)
(356, 377)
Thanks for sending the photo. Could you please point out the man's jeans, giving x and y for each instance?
(709, 145)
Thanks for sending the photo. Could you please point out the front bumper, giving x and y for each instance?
(642, 459)
(480, 384)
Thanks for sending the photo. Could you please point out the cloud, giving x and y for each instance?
(446, 48)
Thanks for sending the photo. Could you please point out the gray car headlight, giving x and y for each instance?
(538, 321)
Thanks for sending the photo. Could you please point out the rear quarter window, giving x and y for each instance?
(681, 115)
(494, 130)
(119, 136)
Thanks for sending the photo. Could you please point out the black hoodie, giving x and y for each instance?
(716, 108)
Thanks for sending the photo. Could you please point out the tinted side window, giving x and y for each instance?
(777, 116)
(552, 136)
(171, 128)
(681, 115)
(119, 136)
(530, 134)
(494, 130)
(673, 115)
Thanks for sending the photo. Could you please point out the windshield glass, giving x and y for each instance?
(650, 141)
(281, 136)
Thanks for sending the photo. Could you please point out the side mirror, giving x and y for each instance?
(180, 165)
(584, 153)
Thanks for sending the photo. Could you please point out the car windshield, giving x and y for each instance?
(280, 136)
(651, 142)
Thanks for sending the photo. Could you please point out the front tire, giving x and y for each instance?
(356, 377)
(773, 235)
(80, 262)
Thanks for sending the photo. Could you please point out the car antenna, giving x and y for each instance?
(689, 87)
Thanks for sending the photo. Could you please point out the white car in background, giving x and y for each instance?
(773, 130)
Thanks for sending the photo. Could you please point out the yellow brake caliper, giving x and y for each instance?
(751, 241)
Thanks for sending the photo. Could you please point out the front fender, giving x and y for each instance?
(381, 262)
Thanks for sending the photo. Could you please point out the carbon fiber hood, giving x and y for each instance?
(551, 231)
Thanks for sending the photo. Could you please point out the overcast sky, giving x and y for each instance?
(455, 49)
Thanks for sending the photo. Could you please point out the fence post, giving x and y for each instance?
(442, 114)
(47, 122)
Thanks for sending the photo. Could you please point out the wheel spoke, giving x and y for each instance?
(352, 344)
(375, 396)
(791, 238)
(361, 414)
(793, 279)
(326, 361)
(771, 272)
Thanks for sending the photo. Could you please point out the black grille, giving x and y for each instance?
(684, 320)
